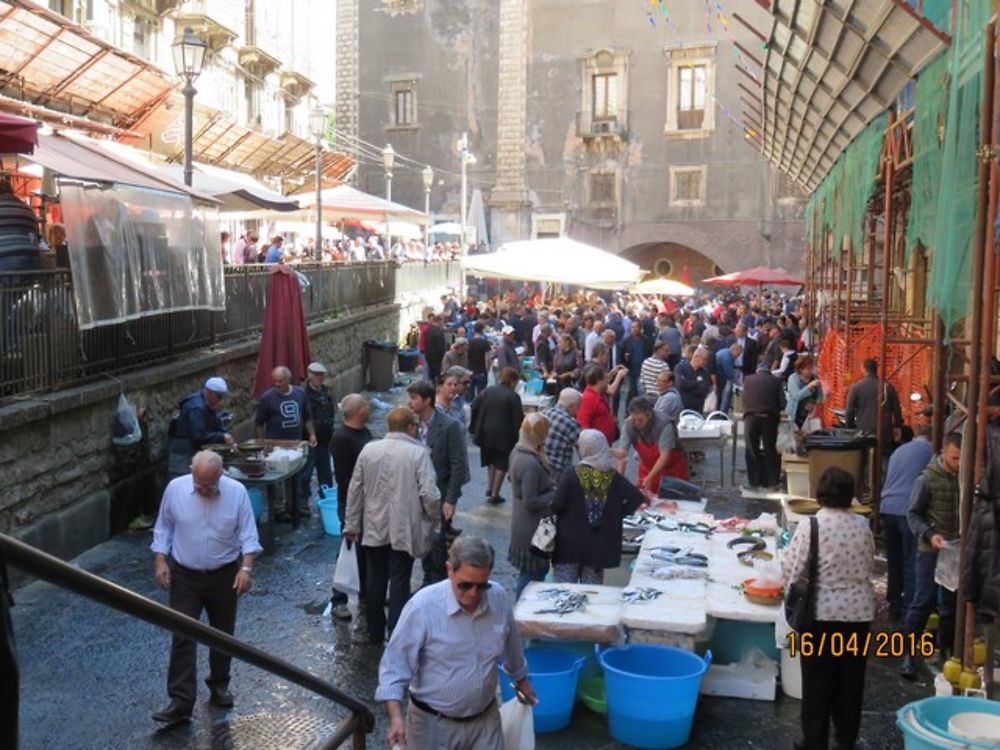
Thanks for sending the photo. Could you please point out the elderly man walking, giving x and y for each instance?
(564, 432)
(205, 543)
(393, 505)
(444, 654)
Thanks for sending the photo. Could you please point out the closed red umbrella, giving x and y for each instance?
(17, 135)
(760, 275)
(284, 339)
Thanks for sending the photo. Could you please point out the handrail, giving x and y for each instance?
(48, 568)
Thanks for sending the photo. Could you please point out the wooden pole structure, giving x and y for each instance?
(881, 438)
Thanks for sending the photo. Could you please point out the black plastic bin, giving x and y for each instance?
(408, 360)
(841, 447)
(379, 364)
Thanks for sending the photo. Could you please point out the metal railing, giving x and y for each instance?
(61, 574)
(42, 348)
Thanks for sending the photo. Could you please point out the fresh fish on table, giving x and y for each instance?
(633, 595)
(675, 573)
(676, 556)
(564, 601)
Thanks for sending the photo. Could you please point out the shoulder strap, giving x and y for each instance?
(813, 548)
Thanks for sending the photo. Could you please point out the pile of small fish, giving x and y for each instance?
(634, 595)
(676, 573)
(564, 601)
(677, 556)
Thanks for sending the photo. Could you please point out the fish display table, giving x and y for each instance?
(599, 621)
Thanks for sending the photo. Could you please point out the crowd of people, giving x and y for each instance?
(365, 246)
(621, 371)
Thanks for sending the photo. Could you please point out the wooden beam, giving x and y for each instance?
(748, 53)
(752, 29)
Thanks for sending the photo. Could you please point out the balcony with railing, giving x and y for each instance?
(42, 347)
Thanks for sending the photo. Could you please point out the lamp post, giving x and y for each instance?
(388, 159)
(317, 128)
(428, 174)
(465, 158)
(189, 57)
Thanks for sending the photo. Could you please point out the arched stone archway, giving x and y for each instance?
(672, 260)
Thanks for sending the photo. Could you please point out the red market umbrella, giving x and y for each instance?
(17, 135)
(760, 276)
(284, 339)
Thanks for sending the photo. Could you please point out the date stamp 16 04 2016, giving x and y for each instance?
(881, 645)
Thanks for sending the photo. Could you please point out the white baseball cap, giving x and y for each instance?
(316, 367)
(217, 385)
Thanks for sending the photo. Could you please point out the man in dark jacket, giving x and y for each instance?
(862, 404)
(197, 425)
(763, 402)
(495, 425)
(323, 409)
(933, 518)
(693, 380)
(443, 435)
(635, 349)
(750, 354)
(981, 566)
(434, 347)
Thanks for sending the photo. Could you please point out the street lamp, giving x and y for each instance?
(189, 57)
(317, 128)
(428, 174)
(465, 157)
(388, 159)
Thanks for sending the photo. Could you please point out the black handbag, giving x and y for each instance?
(800, 599)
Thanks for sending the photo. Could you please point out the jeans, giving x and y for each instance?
(900, 551)
(387, 569)
(673, 488)
(726, 398)
(523, 579)
(477, 386)
(925, 594)
(318, 460)
(761, 449)
(633, 386)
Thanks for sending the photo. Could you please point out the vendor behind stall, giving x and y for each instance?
(196, 425)
(654, 437)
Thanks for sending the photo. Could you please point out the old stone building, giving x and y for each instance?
(607, 120)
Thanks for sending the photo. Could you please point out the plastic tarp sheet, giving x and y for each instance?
(558, 260)
(136, 252)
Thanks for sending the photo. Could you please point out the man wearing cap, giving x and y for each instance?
(196, 425)
(323, 409)
(457, 356)
(507, 352)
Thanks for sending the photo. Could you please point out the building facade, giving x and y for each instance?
(606, 120)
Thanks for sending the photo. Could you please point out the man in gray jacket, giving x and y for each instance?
(394, 498)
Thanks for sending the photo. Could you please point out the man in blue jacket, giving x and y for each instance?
(196, 425)
(725, 375)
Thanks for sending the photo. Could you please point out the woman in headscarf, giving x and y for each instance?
(532, 490)
(589, 505)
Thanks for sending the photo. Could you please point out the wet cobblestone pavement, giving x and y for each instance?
(91, 677)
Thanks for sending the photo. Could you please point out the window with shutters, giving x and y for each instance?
(687, 185)
(602, 187)
(403, 103)
(690, 90)
(605, 96)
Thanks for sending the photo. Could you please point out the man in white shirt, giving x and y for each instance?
(205, 543)
(592, 338)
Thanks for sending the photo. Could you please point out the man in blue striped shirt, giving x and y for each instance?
(444, 650)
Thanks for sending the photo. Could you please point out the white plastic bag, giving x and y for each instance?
(946, 569)
(125, 429)
(786, 438)
(345, 577)
(518, 725)
(711, 403)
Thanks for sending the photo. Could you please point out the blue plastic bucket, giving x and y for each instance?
(257, 502)
(554, 676)
(652, 692)
(328, 513)
(328, 492)
(924, 723)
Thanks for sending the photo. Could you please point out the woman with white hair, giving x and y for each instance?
(531, 487)
(590, 503)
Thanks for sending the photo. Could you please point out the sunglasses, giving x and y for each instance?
(467, 586)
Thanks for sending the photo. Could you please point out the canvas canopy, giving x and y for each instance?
(558, 260)
(758, 275)
(664, 286)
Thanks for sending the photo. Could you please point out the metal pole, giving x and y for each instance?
(189, 91)
(388, 227)
(427, 212)
(881, 439)
(465, 188)
(319, 200)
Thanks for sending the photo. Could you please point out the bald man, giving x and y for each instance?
(283, 411)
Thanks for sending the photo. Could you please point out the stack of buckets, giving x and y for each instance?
(925, 723)
(327, 503)
(652, 691)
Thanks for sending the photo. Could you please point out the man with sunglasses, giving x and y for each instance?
(205, 542)
(444, 652)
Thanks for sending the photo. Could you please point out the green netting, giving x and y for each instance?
(949, 282)
(930, 113)
(841, 200)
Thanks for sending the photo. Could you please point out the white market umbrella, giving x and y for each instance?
(447, 228)
(557, 260)
(664, 286)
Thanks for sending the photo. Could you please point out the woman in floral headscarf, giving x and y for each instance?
(589, 505)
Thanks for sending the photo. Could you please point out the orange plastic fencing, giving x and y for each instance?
(839, 365)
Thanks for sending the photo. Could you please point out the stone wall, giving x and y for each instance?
(66, 488)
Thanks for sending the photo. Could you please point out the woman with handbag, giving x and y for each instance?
(532, 491)
(590, 503)
(841, 607)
